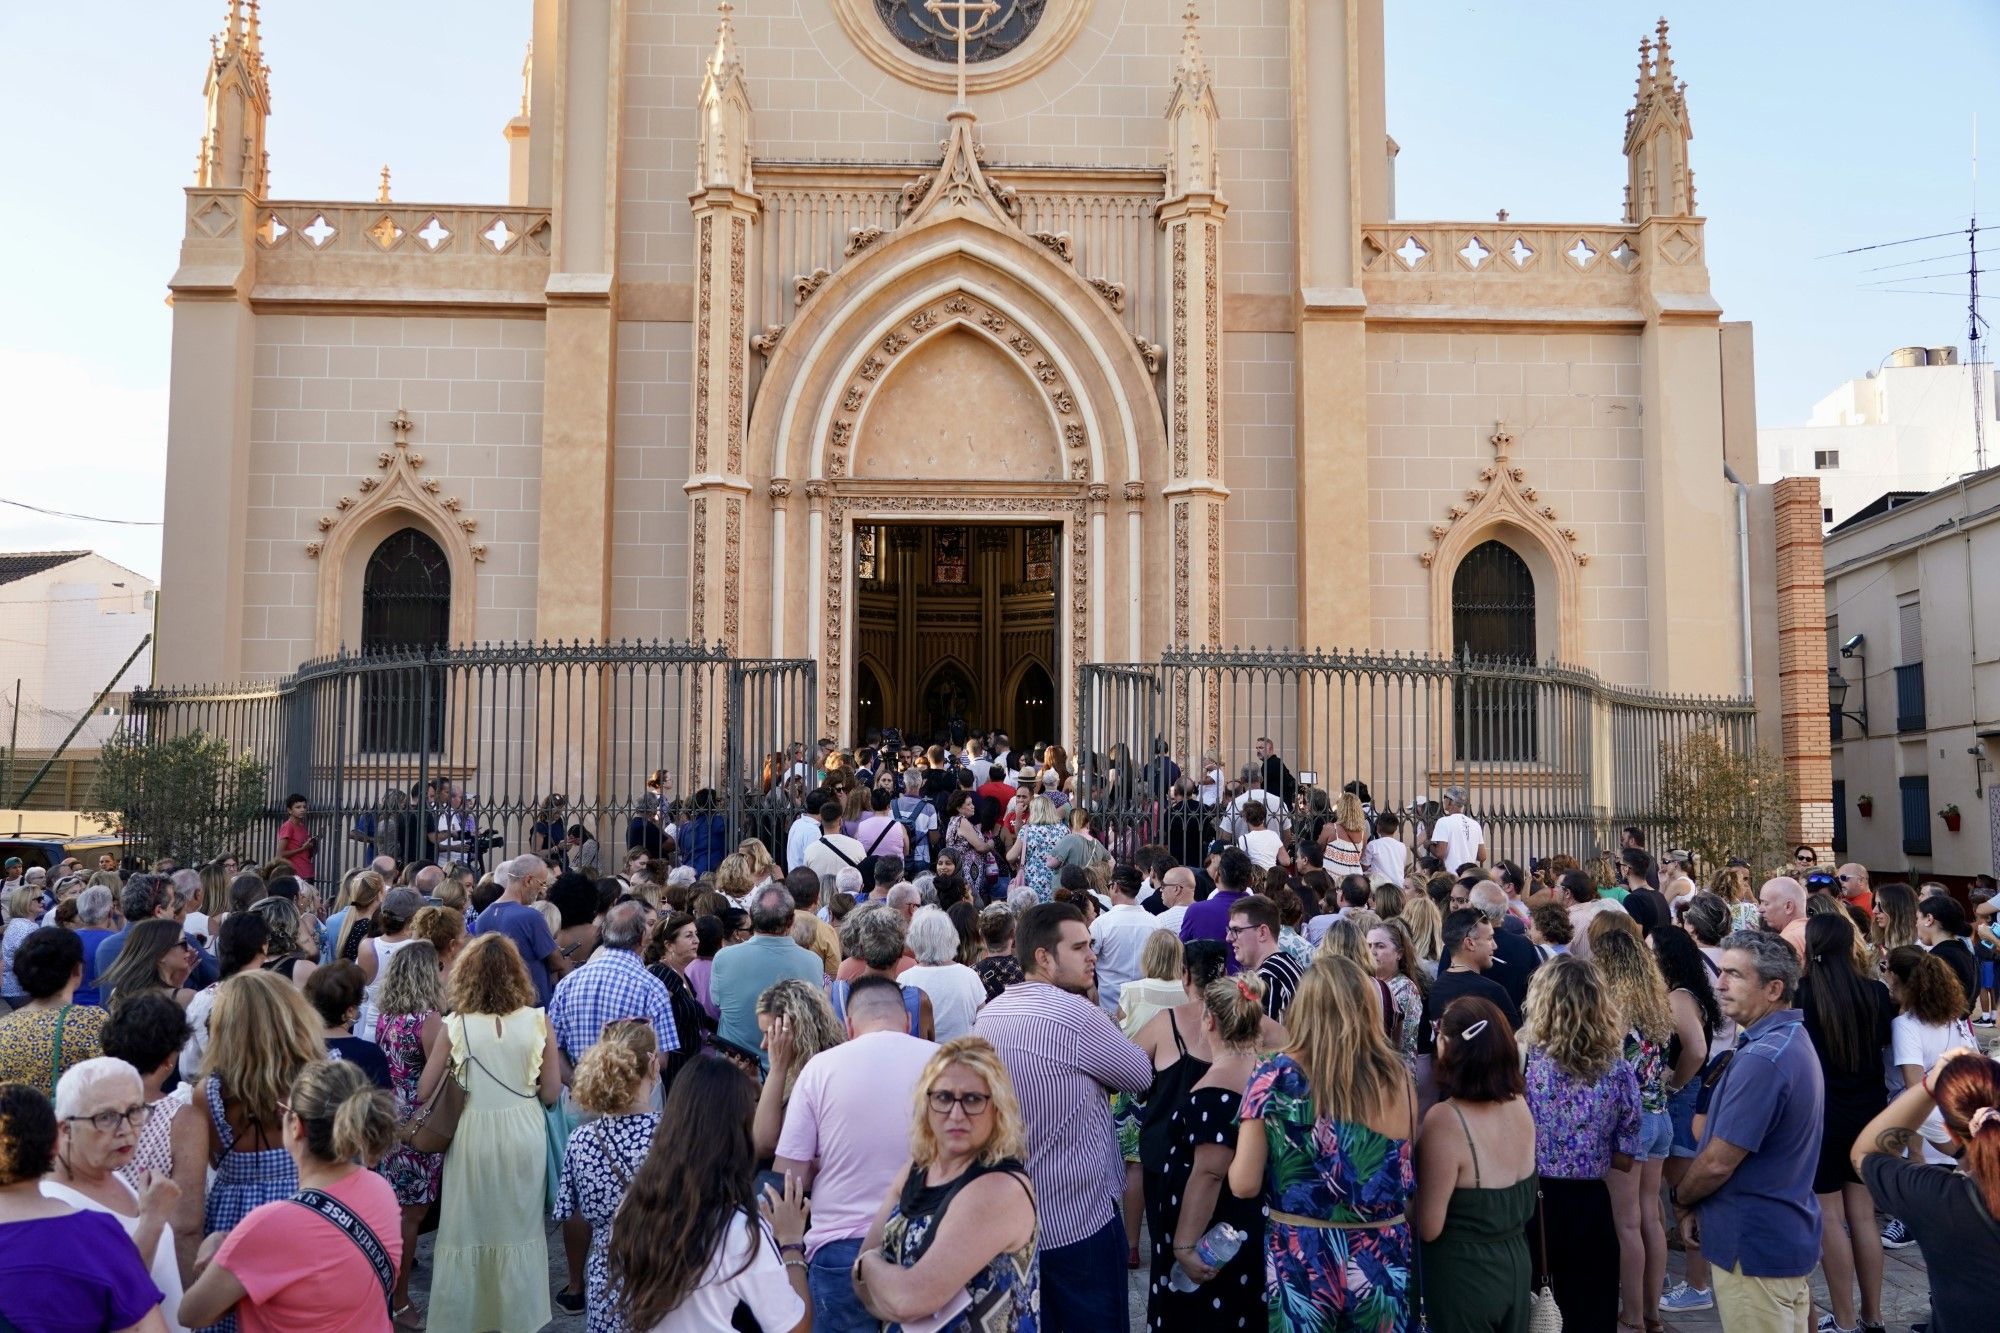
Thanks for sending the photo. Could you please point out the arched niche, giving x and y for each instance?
(959, 404)
(1556, 584)
(343, 567)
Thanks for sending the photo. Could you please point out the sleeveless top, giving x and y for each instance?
(1170, 1088)
(1482, 1216)
(241, 1180)
(365, 1020)
(1006, 1294)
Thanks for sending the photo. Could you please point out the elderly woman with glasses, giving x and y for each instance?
(955, 1239)
(100, 1110)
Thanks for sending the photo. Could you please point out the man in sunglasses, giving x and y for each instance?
(1852, 880)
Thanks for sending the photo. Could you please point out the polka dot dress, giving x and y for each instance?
(1234, 1298)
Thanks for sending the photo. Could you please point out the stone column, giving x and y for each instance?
(1194, 491)
(1340, 169)
(717, 485)
(200, 625)
(1806, 745)
(573, 597)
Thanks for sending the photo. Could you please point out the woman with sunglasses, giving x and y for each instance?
(955, 1239)
(100, 1110)
(156, 956)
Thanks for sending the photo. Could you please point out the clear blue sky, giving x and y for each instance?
(1817, 128)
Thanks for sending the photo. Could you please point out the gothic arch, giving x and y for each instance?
(397, 496)
(1505, 509)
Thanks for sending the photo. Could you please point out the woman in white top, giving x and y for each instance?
(693, 1239)
(1348, 836)
(399, 908)
(100, 1109)
(956, 991)
(1930, 1020)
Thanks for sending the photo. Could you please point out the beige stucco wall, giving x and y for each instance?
(323, 390)
(1572, 403)
(649, 553)
(1260, 548)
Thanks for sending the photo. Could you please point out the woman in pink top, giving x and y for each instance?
(289, 1265)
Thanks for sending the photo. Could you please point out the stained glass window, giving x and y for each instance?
(922, 32)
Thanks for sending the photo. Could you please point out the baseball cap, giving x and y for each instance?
(12, 862)
(402, 903)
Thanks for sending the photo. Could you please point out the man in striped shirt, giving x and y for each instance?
(1065, 1057)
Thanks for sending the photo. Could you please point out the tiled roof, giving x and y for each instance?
(20, 564)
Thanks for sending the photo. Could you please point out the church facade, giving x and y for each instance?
(806, 331)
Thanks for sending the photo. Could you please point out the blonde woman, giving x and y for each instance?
(797, 1021)
(1636, 988)
(758, 860)
(228, 1143)
(1894, 918)
(1393, 962)
(491, 1260)
(1034, 853)
(1345, 837)
(1426, 930)
(1732, 885)
(356, 920)
(444, 929)
(960, 1219)
(733, 878)
(1584, 1097)
(615, 1082)
(1326, 1139)
(407, 1026)
(1158, 985)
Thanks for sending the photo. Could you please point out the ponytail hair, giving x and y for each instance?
(1237, 1006)
(1968, 1094)
(346, 1117)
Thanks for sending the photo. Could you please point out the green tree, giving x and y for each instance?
(183, 796)
(1723, 802)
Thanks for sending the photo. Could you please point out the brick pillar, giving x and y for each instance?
(1807, 745)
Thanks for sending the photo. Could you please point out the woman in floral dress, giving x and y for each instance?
(1325, 1141)
(615, 1081)
(1036, 845)
(405, 1026)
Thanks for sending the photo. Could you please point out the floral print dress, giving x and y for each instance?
(598, 1165)
(1038, 843)
(1354, 1274)
(413, 1175)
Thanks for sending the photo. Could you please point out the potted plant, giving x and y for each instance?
(1866, 805)
(1950, 817)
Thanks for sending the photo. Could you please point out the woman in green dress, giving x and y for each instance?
(1476, 1179)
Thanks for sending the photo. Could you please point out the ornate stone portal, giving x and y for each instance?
(956, 364)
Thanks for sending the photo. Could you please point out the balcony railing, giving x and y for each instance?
(1910, 697)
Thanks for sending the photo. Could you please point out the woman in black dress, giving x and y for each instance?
(1847, 1015)
(672, 948)
(1188, 1194)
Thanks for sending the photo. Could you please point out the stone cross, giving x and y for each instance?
(973, 16)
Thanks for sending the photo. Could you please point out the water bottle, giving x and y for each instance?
(1215, 1249)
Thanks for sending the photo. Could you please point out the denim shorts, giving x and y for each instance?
(1680, 1110)
(1656, 1136)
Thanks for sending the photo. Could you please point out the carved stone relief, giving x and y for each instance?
(398, 480)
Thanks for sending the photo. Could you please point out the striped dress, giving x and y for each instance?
(241, 1181)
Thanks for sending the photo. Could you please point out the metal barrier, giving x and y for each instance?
(1551, 758)
(500, 739)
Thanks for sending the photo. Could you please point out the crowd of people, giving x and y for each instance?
(943, 1053)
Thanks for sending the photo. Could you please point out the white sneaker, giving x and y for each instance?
(1681, 1298)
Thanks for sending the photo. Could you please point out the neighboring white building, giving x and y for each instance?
(1906, 426)
(1913, 628)
(68, 622)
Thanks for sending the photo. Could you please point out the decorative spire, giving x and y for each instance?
(1193, 123)
(724, 155)
(1659, 180)
(238, 93)
(382, 194)
(527, 75)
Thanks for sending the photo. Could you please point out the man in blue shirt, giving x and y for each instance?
(521, 881)
(745, 971)
(1747, 1196)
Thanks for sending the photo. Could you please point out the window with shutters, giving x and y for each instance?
(1910, 711)
(1916, 793)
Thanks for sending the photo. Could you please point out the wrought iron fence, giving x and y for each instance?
(1551, 759)
(502, 739)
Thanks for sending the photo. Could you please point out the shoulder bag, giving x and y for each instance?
(356, 1230)
(1544, 1315)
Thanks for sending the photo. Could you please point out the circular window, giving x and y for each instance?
(934, 37)
(1019, 41)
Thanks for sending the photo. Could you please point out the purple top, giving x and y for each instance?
(1580, 1123)
(73, 1274)
(1209, 920)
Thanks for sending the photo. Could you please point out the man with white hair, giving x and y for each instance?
(611, 985)
(845, 880)
(917, 816)
(1782, 904)
(94, 926)
(521, 882)
(906, 899)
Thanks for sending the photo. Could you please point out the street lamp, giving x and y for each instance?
(1836, 695)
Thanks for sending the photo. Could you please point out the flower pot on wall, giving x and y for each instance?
(1866, 805)
(1951, 819)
